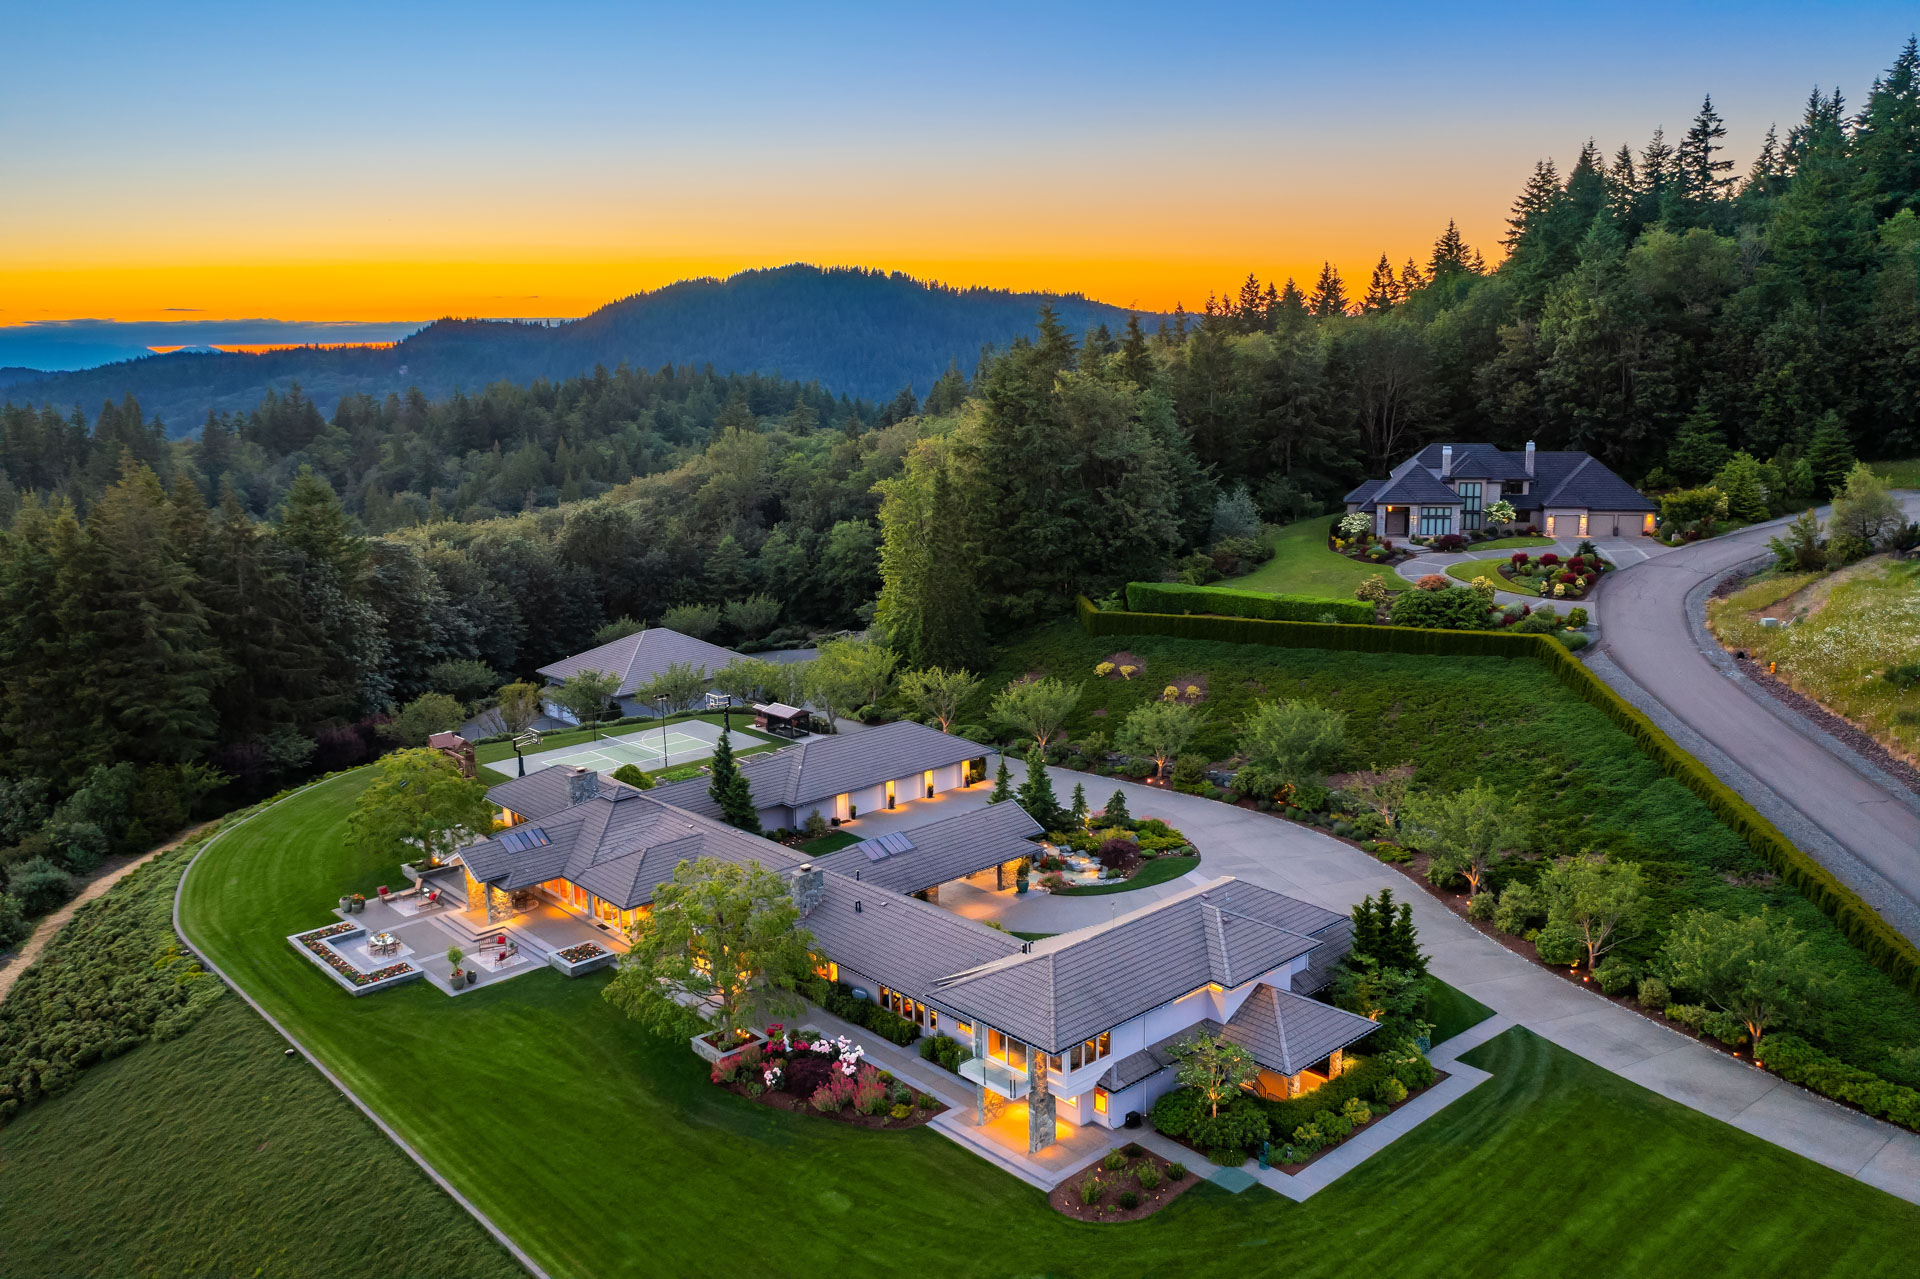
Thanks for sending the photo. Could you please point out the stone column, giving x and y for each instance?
(980, 1089)
(1336, 1063)
(1040, 1104)
(476, 893)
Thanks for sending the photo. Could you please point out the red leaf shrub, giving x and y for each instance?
(1519, 558)
(1449, 542)
(1567, 577)
(1549, 557)
(1118, 854)
(1433, 582)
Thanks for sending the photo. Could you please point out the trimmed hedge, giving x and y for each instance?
(1892, 953)
(1172, 597)
(1797, 1061)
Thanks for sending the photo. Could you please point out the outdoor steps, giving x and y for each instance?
(470, 935)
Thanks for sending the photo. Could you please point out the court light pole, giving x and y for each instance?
(660, 700)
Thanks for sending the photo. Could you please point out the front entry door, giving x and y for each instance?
(1397, 522)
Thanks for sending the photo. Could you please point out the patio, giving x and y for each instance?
(531, 938)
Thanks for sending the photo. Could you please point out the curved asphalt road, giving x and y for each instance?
(1651, 633)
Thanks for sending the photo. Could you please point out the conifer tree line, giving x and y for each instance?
(249, 603)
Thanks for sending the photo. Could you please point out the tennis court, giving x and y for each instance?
(649, 749)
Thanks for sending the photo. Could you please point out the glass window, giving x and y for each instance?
(996, 1045)
(1016, 1055)
(1099, 1101)
(1435, 520)
(1470, 512)
(963, 1030)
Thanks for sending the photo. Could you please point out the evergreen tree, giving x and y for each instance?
(1002, 783)
(1136, 363)
(1698, 175)
(1829, 455)
(1412, 280)
(1329, 294)
(1746, 491)
(1699, 450)
(1115, 813)
(730, 789)
(1451, 257)
(1036, 793)
(1078, 814)
(1887, 140)
(1382, 290)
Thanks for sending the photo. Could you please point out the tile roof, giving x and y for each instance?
(943, 850)
(638, 657)
(620, 845)
(1415, 487)
(906, 943)
(1074, 986)
(1364, 492)
(543, 792)
(1288, 1033)
(1476, 461)
(1582, 480)
(820, 768)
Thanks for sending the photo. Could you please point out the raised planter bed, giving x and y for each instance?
(585, 958)
(1069, 1197)
(318, 946)
(705, 1047)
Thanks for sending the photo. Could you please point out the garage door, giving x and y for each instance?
(1603, 524)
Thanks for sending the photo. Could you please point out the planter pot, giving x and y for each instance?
(346, 904)
(473, 977)
(712, 1053)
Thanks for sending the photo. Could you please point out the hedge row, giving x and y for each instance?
(1799, 1062)
(1892, 953)
(1173, 597)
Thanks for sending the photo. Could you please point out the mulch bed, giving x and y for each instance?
(1065, 1197)
(1124, 658)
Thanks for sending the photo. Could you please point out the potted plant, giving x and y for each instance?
(359, 904)
(454, 956)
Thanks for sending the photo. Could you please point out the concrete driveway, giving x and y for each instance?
(1655, 650)
(1624, 552)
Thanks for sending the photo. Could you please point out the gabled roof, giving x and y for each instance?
(543, 792)
(1364, 491)
(941, 851)
(1288, 1033)
(1476, 462)
(1415, 487)
(820, 768)
(1074, 986)
(1582, 480)
(906, 943)
(620, 845)
(639, 657)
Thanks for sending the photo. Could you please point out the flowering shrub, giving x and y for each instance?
(1567, 577)
(1127, 671)
(1519, 559)
(1170, 692)
(1103, 669)
(1433, 582)
(1559, 590)
(832, 1096)
(1548, 557)
(331, 930)
(1354, 524)
(869, 1094)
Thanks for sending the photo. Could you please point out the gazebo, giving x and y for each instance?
(781, 720)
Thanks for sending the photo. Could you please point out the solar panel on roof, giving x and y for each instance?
(522, 839)
(895, 842)
(874, 849)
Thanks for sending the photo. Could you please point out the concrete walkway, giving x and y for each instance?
(1305, 863)
(109, 874)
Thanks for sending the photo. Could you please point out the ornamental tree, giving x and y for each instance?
(721, 936)
(1467, 833)
(585, 695)
(1036, 708)
(1500, 511)
(677, 687)
(520, 705)
(1215, 1068)
(418, 804)
(1289, 743)
(1161, 729)
(1758, 968)
(424, 716)
(937, 693)
(1600, 899)
(850, 674)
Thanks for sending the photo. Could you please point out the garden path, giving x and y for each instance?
(110, 873)
(1305, 863)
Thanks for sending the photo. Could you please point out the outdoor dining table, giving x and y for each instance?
(383, 943)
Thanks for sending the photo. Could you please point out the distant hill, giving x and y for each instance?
(9, 376)
(856, 332)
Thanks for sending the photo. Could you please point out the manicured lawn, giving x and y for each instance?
(1904, 474)
(1157, 871)
(1302, 565)
(1458, 720)
(1852, 626)
(829, 843)
(1467, 570)
(605, 1151)
(1452, 1012)
(1510, 543)
(215, 1154)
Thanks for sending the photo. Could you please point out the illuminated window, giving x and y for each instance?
(889, 794)
(1099, 1101)
(829, 970)
(1016, 1055)
(996, 1045)
(927, 777)
(963, 1030)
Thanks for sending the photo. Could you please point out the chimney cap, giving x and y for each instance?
(804, 867)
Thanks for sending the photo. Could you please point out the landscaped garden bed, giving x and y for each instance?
(805, 1071)
(1548, 575)
(1128, 1184)
(1111, 854)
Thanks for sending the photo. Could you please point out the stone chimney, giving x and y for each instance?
(809, 888)
(1529, 457)
(583, 784)
(1446, 460)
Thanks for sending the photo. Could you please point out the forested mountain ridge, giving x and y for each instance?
(859, 333)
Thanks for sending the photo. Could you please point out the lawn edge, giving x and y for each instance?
(506, 1241)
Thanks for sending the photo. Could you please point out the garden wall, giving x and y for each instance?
(1887, 949)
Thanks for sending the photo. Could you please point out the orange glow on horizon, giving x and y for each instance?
(255, 348)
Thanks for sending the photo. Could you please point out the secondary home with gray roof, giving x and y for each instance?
(1074, 1028)
(637, 659)
(1446, 488)
(841, 776)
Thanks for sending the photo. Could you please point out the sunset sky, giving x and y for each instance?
(381, 162)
